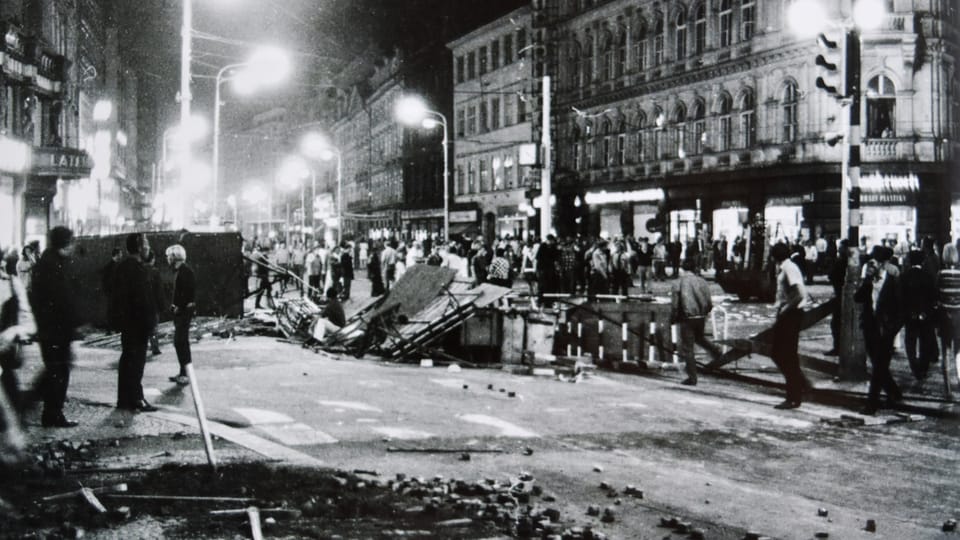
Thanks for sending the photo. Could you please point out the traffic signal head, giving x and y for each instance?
(829, 62)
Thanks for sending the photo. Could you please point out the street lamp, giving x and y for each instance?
(266, 67)
(293, 171)
(317, 146)
(411, 110)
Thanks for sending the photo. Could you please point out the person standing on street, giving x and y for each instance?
(183, 305)
(374, 273)
(920, 301)
(791, 299)
(881, 319)
(58, 317)
(156, 289)
(691, 303)
(263, 278)
(135, 315)
(16, 325)
(838, 276)
(346, 269)
(26, 263)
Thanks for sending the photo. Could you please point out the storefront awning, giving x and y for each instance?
(465, 229)
(61, 162)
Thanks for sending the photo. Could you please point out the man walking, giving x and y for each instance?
(881, 319)
(135, 315)
(58, 318)
(263, 278)
(690, 306)
(920, 303)
(184, 301)
(791, 299)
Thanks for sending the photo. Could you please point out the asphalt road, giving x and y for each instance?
(717, 454)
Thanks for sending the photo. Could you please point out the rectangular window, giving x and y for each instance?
(621, 149)
(641, 151)
(508, 49)
(658, 50)
(726, 28)
(484, 176)
(621, 59)
(698, 130)
(588, 159)
(521, 109)
(508, 118)
(748, 14)
(461, 181)
(495, 54)
(461, 122)
(681, 134)
(790, 122)
(471, 178)
(640, 55)
(471, 120)
(521, 39)
(471, 65)
(484, 120)
(508, 173)
(577, 164)
(483, 60)
(495, 113)
(607, 152)
(681, 42)
(608, 64)
(748, 129)
(723, 144)
(460, 69)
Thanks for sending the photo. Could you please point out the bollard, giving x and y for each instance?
(579, 339)
(626, 351)
(674, 338)
(600, 339)
(652, 349)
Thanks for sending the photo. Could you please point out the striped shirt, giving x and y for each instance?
(949, 285)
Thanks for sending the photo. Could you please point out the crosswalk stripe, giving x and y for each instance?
(506, 428)
(353, 405)
(296, 434)
(402, 433)
(261, 416)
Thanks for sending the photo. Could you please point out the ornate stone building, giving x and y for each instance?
(686, 117)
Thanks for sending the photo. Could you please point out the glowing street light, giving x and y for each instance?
(317, 146)
(266, 67)
(411, 110)
(293, 172)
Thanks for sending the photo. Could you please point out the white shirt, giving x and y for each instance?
(877, 287)
(790, 276)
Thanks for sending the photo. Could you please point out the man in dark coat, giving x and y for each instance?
(346, 270)
(881, 319)
(58, 317)
(184, 298)
(135, 311)
(920, 302)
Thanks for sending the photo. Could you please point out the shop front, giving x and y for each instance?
(784, 217)
(888, 208)
(464, 224)
(421, 224)
(728, 220)
(51, 168)
(622, 213)
(511, 222)
(14, 160)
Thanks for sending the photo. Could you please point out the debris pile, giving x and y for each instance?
(259, 323)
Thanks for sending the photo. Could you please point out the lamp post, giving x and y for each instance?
(186, 51)
(317, 146)
(412, 111)
(293, 171)
(267, 66)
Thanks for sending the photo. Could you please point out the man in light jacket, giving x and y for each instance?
(691, 303)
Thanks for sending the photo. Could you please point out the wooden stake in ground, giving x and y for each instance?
(201, 416)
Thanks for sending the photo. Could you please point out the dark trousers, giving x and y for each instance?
(621, 282)
(692, 331)
(181, 339)
(57, 360)
(922, 333)
(786, 337)
(598, 285)
(835, 320)
(316, 292)
(345, 292)
(880, 351)
(130, 374)
(264, 286)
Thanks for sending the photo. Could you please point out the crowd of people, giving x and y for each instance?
(39, 302)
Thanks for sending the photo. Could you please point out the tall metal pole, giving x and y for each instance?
(339, 198)
(313, 203)
(216, 138)
(546, 214)
(446, 182)
(186, 52)
(303, 215)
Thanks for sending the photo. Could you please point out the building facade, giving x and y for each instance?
(685, 118)
(492, 83)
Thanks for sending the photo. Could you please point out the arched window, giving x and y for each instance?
(680, 129)
(606, 69)
(639, 126)
(700, 29)
(748, 120)
(621, 54)
(881, 107)
(658, 32)
(640, 45)
(656, 143)
(724, 123)
(681, 35)
(726, 23)
(788, 103)
(699, 126)
(748, 19)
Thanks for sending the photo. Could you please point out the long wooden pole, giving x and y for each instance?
(201, 417)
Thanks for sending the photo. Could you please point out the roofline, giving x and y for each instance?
(520, 11)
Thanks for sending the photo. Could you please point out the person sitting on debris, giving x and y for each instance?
(691, 303)
(184, 297)
(332, 318)
(498, 273)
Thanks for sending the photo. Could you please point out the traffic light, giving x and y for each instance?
(830, 62)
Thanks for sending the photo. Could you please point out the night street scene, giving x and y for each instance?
(553, 269)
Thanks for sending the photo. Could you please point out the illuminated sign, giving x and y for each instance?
(463, 216)
(61, 162)
(879, 183)
(14, 156)
(642, 195)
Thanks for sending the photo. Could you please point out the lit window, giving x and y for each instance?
(881, 107)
